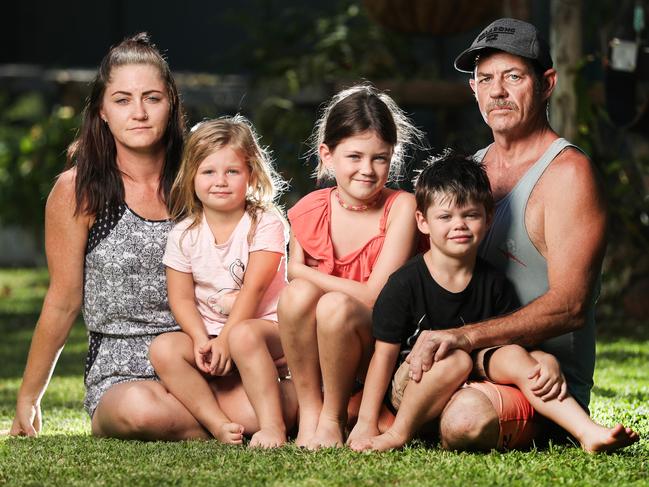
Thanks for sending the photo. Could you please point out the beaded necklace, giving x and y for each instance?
(349, 207)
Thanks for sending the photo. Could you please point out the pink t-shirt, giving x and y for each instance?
(218, 269)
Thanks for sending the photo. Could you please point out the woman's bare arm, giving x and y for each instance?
(66, 236)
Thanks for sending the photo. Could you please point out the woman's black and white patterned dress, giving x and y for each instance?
(125, 299)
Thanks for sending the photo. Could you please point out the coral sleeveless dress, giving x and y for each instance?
(310, 220)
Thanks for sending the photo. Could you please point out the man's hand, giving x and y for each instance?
(432, 346)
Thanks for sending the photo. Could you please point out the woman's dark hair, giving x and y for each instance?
(357, 110)
(93, 154)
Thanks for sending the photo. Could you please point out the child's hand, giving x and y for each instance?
(216, 354)
(362, 432)
(202, 359)
(549, 381)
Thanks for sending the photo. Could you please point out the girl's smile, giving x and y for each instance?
(360, 164)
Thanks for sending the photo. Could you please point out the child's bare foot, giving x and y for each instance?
(229, 433)
(387, 441)
(328, 434)
(271, 437)
(609, 439)
(307, 425)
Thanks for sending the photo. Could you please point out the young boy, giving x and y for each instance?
(447, 287)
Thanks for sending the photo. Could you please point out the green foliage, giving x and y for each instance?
(66, 454)
(33, 141)
(294, 61)
(621, 154)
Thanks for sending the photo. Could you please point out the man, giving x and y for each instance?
(548, 236)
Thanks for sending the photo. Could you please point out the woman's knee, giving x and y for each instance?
(166, 346)
(469, 422)
(137, 411)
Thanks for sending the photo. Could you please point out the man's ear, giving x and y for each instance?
(472, 85)
(422, 224)
(549, 82)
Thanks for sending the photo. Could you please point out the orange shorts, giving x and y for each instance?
(519, 423)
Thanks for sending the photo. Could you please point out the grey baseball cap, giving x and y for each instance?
(509, 35)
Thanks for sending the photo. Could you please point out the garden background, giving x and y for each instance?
(276, 61)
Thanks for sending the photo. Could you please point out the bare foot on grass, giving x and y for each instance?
(389, 440)
(328, 434)
(609, 439)
(307, 425)
(272, 437)
(230, 433)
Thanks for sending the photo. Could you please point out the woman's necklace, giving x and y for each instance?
(365, 207)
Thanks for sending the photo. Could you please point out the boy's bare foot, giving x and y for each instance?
(609, 439)
(307, 425)
(229, 433)
(328, 434)
(387, 441)
(271, 437)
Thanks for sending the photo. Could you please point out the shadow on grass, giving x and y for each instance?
(52, 399)
(626, 396)
(612, 330)
(17, 329)
(622, 356)
(49, 440)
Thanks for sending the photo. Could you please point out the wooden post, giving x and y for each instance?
(565, 42)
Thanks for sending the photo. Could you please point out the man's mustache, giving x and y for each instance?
(496, 104)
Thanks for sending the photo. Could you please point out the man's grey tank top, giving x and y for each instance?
(507, 246)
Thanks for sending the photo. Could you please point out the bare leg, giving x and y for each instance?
(513, 365)
(386, 418)
(144, 410)
(172, 355)
(345, 344)
(297, 328)
(469, 422)
(422, 402)
(254, 345)
(233, 401)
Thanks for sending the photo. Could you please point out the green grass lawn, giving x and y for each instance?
(65, 453)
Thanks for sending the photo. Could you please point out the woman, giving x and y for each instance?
(106, 224)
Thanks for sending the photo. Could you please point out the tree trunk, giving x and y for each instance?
(565, 41)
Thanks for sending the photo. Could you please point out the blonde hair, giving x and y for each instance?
(356, 110)
(265, 184)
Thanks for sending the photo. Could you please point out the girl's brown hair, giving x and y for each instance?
(356, 110)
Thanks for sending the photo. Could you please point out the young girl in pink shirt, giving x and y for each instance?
(225, 263)
(345, 242)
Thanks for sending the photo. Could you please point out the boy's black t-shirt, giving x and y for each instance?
(412, 301)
